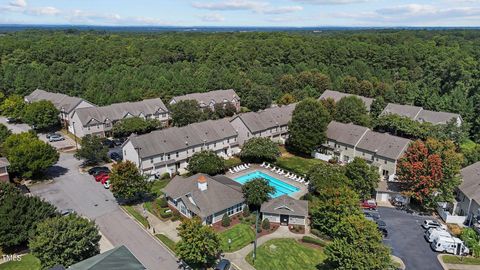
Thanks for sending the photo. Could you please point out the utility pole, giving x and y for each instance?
(254, 254)
(75, 136)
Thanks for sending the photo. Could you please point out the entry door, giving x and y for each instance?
(284, 219)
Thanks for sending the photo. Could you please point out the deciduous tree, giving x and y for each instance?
(12, 106)
(351, 109)
(206, 162)
(199, 245)
(41, 115)
(256, 192)
(259, 149)
(186, 112)
(65, 240)
(364, 178)
(127, 183)
(325, 175)
(308, 126)
(4, 133)
(92, 149)
(137, 125)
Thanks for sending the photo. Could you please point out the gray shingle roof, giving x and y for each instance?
(471, 182)
(178, 138)
(383, 144)
(4, 162)
(335, 95)
(285, 205)
(218, 96)
(268, 118)
(60, 101)
(221, 193)
(345, 133)
(419, 114)
(118, 111)
(119, 258)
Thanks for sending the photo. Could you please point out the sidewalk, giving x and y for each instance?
(447, 266)
(238, 257)
(168, 228)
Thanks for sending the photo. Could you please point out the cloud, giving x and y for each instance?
(331, 2)
(21, 6)
(212, 18)
(43, 11)
(231, 5)
(87, 17)
(18, 3)
(283, 10)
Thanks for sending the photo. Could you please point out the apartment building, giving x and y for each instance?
(209, 99)
(336, 96)
(421, 115)
(99, 120)
(65, 104)
(269, 123)
(168, 150)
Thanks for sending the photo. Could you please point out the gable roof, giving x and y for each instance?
(268, 118)
(119, 258)
(177, 138)
(61, 101)
(470, 185)
(221, 193)
(218, 96)
(285, 205)
(383, 144)
(4, 162)
(419, 114)
(345, 133)
(335, 95)
(118, 111)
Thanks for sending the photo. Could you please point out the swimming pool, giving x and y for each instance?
(281, 187)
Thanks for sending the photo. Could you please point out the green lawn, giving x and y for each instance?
(158, 185)
(286, 254)
(28, 262)
(458, 260)
(298, 165)
(136, 215)
(167, 241)
(240, 234)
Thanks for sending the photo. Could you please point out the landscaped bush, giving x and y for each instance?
(246, 212)
(162, 202)
(165, 214)
(165, 176)
(455, 229)
(320, 234)
(225, 220)
(315, 241)
(266, 224)
(471, 239)
(176, 216)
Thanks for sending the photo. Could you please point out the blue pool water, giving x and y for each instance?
(281, 187)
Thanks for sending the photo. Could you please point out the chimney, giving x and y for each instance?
(202, 183)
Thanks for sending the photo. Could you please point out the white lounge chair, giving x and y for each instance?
(242, 167)
(302, 180)
(268, 166)
(235, 169)
(288, 174)
(273, 169)
(281, 172)
(263, 164)
(247, 165)
(292, 176)
(306, 183)
(230, 170)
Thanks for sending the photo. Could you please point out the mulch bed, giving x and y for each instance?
(302, 229)
(234, 220)
(273, 228)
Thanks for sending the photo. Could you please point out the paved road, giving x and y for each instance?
(15, 128)
(71, 189)
(405, 237)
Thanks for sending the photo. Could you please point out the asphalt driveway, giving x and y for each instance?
(72, 189)
(405, 237)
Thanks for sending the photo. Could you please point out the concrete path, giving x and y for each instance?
(168, 228)
(238, 258)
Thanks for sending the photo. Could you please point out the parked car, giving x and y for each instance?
(107, 184)
(108, 143)
(116, 156)
(371, 214)
(427, 224)
(105, 179)
(399, 201)
(67, 212)
(98, 169)
(100, 176)
(450, 245)
(381, 223)
(369, 204)
(52, 134)
(433, 233)
(223, 264)
(12, 120)
(56, 138)
(119, 141)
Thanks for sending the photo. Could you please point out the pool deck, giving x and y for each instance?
(255, 167)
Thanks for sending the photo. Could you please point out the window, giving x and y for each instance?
(228, 140)
(385, 162)
(373, 158)
(231, 210)
(345, 148)
(239, 207)
(176, 154)
(363, 154)
(151, 160)
(215, 145)
(161, 158)
(124, 152)
(193, 150)
(168, 156)
(183, 209)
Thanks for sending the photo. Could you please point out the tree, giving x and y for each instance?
(332, 205)
(378, 105)
(330, 105)
(4, 133)
(471, 155)
(325, 175)
(256, 192)
(12, 106)
(137, 125)
(28, 156)
(185, 112)
(41, 115)
(364, 177)
(259, 149)
(7, 189)
(199, 245)
(266, 224)
(206, 161)
(20, 214)
(351, 109)
(286, 99)
(92, 149)
(224, 110)
(65, 240)
(225, 220)
(307, 129)
(257, 99)
(126, 181)
(421, 172)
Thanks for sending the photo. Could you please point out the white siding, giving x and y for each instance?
(296, 220)
(271, 217)
(130, 153)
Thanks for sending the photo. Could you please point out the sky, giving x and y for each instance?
(294, 13)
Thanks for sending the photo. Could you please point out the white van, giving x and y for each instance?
(450, 245)
(433, 233)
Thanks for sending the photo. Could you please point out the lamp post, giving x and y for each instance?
(229, 244)
(75, 136)
(254, 254)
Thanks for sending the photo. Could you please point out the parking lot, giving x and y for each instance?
(405, 237)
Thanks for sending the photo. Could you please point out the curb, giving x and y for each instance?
(152, 236)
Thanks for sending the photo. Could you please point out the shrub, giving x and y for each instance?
(315, 241)
(471, 239)
(165, 214)
(455, 229)
(165, 176)
(320, 234)
(162, 202)
(266, 224)
(246, 211)
(225, 220)
(176, 216)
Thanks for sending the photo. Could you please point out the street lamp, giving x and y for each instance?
(75, 136)
(254, 254)
(229, 244)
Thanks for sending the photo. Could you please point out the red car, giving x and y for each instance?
(100, 176)
(105, 179)
(369, 204)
